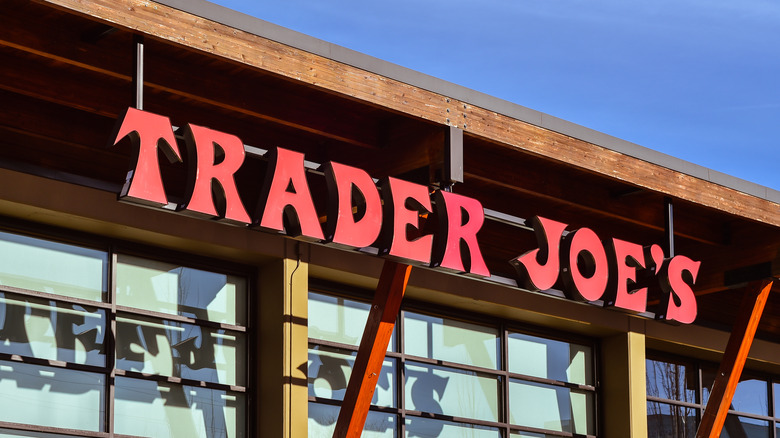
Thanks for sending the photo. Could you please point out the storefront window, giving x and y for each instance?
(179, 290)
(451, 340)
(674, 408)
(160, 410)
(330, 370)
(51, 267)
(54, 397)
(322, 422)
(177, 350)
(49, 329)
(455, 382)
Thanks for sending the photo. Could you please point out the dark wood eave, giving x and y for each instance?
(66, 71)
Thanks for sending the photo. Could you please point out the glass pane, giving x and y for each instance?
(162, 410)
(743, 427)
(447, 391)
(417, 427)
(339, 319)
(9, 433)
(322, 422)
(52, 267)
(551, 407)
(777, 401)
(530, 435)
(751, 395)
(181, 350)
(550, 359)
(671, 380)
(330, 369)
(670, 421)
(450, 340)
(177, 290)
(51, 330)
(54, 397)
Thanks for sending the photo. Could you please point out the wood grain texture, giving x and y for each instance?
(368, 363)
(734, 358)
(169, 24)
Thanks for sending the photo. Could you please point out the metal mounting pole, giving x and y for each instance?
(669, 226)
(138, 71)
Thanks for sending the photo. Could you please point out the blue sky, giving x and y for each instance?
(696, 79)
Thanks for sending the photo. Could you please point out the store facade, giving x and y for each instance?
(195, 208)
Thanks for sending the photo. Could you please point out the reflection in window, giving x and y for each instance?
(550, 407)
(452, 377)
(452, 392)
(48, 329)
(8, 433)
(58, 377)
(529, 435)
(739, 426)
(671, 380)
(55, 397)
(330, 370)
(339, 319)
(751, 395)
(674, 410)
(666, 420)
(322, 422)
(450, 340)
(52, 267)
(177, 290)
(550, 359)
(154, 409)
(428, 428)
(178, 349)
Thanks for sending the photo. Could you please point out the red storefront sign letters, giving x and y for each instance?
(360, 214)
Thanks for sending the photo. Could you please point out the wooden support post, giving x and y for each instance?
(373, 345)
(734, 359)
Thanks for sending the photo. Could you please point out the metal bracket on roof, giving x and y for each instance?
(453, 157)
(669, 226)
(138, 71)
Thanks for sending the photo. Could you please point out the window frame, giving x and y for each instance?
(702, 366)
(112, 248)
(502, 374)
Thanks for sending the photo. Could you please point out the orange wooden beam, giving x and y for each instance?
(373, 346)
(734, 358)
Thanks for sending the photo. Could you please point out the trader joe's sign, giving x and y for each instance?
(617, 272)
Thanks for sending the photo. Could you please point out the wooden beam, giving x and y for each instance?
(204, 82)
(734, 358)
(409, 149)
(373, 345)
(351, 82)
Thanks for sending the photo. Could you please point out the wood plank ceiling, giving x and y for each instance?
(65, 77)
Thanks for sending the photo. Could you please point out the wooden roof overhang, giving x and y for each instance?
(66, 74)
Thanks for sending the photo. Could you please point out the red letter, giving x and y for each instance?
(591, 285)
(202, 146)
(625, 258)
(147, 131)
(460, 219)
(344, 183)
(393, 240)
(288, 202)
(681, 304)
(532, 274)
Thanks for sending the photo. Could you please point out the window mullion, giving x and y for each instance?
(110, 344)
(401, 384)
